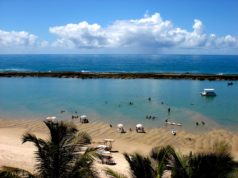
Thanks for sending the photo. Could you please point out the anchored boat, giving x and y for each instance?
(208, 92)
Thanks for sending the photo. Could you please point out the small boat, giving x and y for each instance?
(208, 92)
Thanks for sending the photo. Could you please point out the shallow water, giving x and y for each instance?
(108, 100)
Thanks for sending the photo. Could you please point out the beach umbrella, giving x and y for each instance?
(139, 125)
(83, 117)
(120, 125)
(51, 118)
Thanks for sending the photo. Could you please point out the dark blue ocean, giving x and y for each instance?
(212, 64)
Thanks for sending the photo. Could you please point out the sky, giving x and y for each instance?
(125, 26)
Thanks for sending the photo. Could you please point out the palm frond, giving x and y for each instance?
(212, 165)
(83, 138)
(43, 165)
(168, 159)
(140, 166)
(5, 174)
(59, 130)
(12, 172)
(83, 167)
(114, 174)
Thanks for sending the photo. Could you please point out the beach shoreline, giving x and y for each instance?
(205, 124)
(14, 153)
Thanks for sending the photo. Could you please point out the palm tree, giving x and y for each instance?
(217, 165)
(148, 167)
(59, 157)
(167, 158)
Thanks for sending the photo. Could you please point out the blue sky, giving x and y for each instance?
(215, 29)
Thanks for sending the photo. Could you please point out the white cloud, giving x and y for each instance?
(82, 35)
(22, 42)
(148, 32)
(13, 38)
(198, 26)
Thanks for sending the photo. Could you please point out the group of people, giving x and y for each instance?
(75, 117)
(202, 122)
(154, 117)
(150, 117)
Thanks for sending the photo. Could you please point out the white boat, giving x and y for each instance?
(208, 92)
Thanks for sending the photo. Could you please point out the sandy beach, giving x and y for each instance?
(14, 153)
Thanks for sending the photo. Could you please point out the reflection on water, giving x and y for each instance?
(209, 99)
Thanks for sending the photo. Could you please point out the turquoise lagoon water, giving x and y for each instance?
(108, 100)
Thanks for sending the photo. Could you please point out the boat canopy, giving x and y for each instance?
(209, 89)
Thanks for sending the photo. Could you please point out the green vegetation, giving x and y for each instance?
(114, 174)
(11, 172)
(166, 159)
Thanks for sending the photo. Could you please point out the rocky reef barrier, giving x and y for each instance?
(113, 75)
